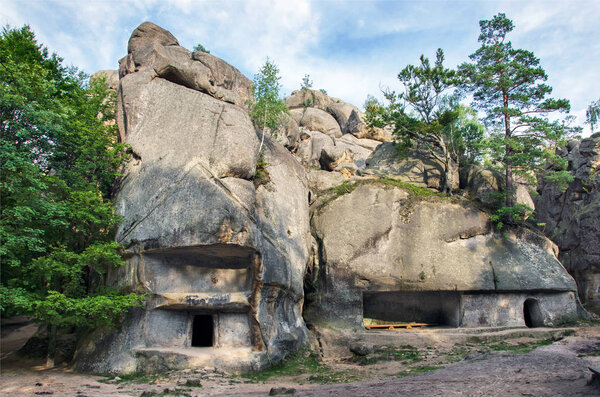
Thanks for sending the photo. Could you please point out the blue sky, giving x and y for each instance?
(349, 48)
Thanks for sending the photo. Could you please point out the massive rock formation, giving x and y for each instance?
(222, 260)
(221, 242)
(387, 253)
(571, 218)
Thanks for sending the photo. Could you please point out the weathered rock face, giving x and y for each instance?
(390, 255)
(572, 217)
(152, 50)
(483, 183)
(414, 167)
(222, 260)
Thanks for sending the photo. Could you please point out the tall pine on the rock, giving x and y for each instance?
(59, 160)
(508, 84)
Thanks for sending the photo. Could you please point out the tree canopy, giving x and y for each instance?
(425, 115)
(267, 108)
(59, 157)
(508, 85)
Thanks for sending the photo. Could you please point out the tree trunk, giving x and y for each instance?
(51, 346)
(510, 200)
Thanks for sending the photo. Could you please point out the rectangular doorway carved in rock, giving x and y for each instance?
(432, 307)
(203, 331)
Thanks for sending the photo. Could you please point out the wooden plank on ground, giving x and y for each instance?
(398, 326)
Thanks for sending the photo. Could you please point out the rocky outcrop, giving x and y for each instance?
(111, 77)
(571, 218)
(213, 250)
(414, 166)
(218, 236)
(382, 247)
(310, 98)
(317, 120)
(154, 51)
(484, 184)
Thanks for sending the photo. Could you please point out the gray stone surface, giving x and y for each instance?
(310, 98)
(200, 237)
(572, 218)
(414, 166)
(483, 183)
(380, 238)
(199, 71)
(148, 33)
(317, 120)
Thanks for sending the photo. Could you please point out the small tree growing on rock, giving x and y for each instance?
(267, 107)
(429, 124)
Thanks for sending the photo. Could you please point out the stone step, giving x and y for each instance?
(161, 359)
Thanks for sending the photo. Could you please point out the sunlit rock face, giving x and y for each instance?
(387, 254)
(226, 252)
(222, 258)
(571, 218)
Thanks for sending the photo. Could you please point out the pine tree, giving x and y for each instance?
(508, 84)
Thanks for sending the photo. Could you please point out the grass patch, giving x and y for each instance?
(406, 354)
(168, 392)
(302, 363)
(412, 189)
(520, 348)
(419, 370)
(193, 383)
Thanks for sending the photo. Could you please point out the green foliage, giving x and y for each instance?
(515, 214)
(592, 114)
(267, 107)
(508, 84)
(301, 363)
(306, 82)
(261, 175)
(419, 370)
(308, 103)
(59, 158)
(423, 116)
(199, 47)
(323, 91)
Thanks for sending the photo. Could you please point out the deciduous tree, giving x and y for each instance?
(58, 160)
(267, 108)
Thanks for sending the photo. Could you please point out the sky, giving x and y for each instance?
(349, 48)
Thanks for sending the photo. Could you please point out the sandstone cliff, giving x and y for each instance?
(226, 251)
(572, 217)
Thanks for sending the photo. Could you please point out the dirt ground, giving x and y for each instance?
(517, 367)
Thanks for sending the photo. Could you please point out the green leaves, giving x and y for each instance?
(508, 84)
(60, 155)
(267, 107)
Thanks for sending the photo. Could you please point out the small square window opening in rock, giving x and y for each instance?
(202, 331)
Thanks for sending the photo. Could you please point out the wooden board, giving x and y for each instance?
(398, 326)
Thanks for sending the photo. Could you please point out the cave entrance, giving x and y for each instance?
(439, 308)
(203, 331)
(532, 313)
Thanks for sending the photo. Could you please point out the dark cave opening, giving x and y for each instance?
(203, 331)
(432, 307)
(532, 313)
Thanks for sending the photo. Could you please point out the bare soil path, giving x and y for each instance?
(554, 369)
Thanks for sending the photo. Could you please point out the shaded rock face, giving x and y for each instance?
(483, 183)
(389, 255)
(572, 217)
(414, 167)
(222, 260)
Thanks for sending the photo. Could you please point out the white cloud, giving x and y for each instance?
(348, 48)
